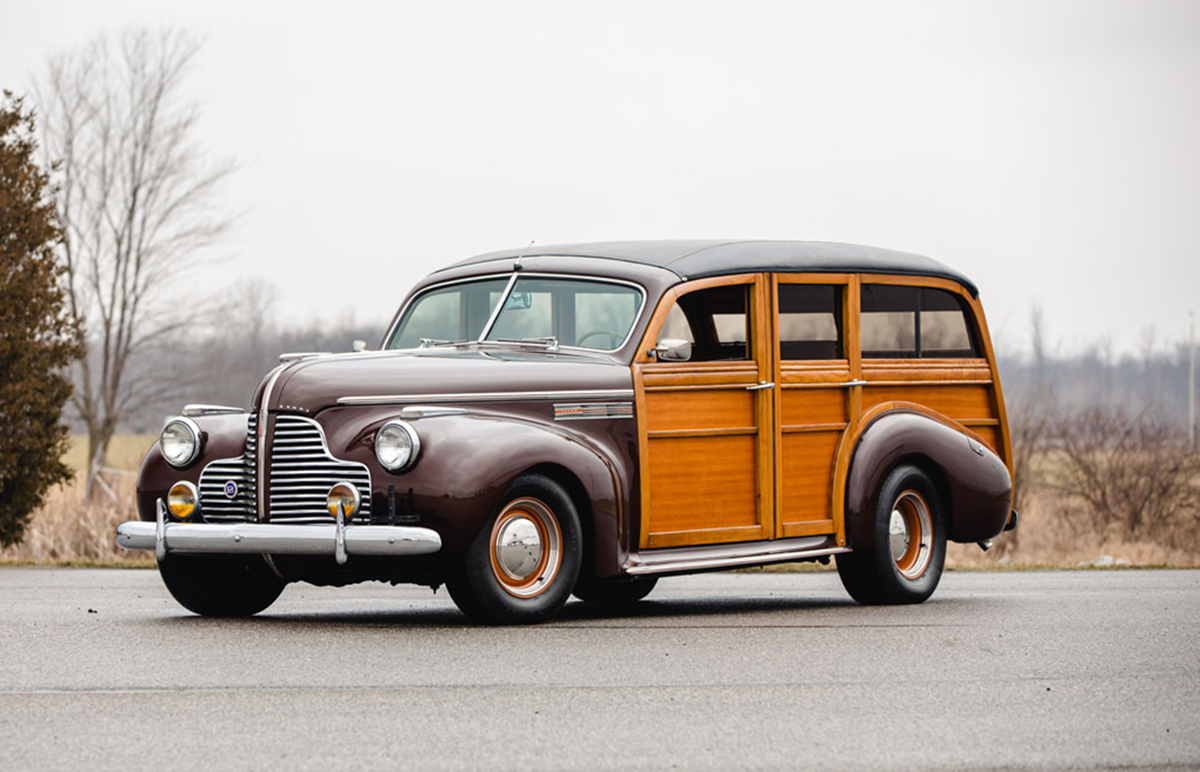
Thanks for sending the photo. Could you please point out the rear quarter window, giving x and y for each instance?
(901, 322)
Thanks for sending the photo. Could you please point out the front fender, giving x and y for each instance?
(467, 461)
(221, 436)
(975, 483)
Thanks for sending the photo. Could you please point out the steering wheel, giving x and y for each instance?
(614, 338)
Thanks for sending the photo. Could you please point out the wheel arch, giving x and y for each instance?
(579, 496)
(973, 484)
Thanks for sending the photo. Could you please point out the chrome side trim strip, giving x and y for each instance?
(194, 410)
(270, 538)
(414, 412)
(693, 564)
(486, 396)
(592, 411)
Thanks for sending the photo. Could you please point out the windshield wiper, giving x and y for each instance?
(549, 341)
(431, 342)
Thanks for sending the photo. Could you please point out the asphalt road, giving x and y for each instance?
(101, 670)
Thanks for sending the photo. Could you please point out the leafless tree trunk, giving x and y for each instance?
(137, 201)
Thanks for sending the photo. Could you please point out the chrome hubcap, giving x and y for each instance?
(526, 547)
(518, 548)
(899, 535)
(910, 534)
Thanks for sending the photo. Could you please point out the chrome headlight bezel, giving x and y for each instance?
(192, 430)
(383, 440)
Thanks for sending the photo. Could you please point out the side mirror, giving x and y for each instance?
(358, 345)
(672, 350)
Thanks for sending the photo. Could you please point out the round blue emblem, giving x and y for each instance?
(231, 489)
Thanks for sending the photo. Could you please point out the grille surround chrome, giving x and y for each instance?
(214, 504)
(302, 470)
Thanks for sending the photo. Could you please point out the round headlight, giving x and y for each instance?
(180, 441)
(397, 446)
(182, 500)
(343, 494)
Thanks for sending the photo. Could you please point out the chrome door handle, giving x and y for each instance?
(761, 385)
(853, 383)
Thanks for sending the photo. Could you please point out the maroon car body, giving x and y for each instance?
(493, 414)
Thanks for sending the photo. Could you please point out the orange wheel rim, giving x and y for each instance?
(525, 547)
(910, 534)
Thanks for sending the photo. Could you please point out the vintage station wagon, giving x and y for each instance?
(584, 419)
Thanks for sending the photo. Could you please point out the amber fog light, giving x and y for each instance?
(345, 494)
(182, 500)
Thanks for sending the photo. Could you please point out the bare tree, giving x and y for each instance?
(137, 200)
(1133, 470)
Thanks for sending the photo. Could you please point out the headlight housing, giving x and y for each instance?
(179, 441)
(397, 446)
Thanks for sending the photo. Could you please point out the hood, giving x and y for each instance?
(310, 385)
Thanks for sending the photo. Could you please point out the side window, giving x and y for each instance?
(889, 321)
(676, 326)
(810, 321)
(945, 331)
(714, 320)
(914, 322)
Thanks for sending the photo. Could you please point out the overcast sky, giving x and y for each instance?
(1050, 150)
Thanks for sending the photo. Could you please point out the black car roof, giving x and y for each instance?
(693, 259)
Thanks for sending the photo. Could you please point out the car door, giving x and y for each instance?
(706, 423)
(818, 396)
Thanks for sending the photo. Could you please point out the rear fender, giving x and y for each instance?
(974, 482)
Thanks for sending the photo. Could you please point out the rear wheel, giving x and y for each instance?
(521, 567)
(905, 563)
(617, 591)
(221, 586)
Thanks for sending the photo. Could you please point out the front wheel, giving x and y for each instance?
(522, 566)
(221, 586)
(905, 563)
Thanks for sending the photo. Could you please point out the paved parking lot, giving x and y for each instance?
(100, 669)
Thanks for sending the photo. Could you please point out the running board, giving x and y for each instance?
(718, 556)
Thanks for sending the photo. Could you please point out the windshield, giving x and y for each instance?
(573, 312)
(450, 314)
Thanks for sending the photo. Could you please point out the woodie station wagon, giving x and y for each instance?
(584, 419)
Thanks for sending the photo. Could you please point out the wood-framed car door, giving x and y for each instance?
(818, 397)
(706, 426)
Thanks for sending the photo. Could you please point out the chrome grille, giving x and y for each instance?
(214, 504)
(303, 470)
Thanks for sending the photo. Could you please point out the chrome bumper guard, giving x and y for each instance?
(337, 539)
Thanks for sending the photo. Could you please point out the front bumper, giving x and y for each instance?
(337, 539)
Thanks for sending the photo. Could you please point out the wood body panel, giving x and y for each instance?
(700, 483)
(957, 402)
(700, 409)
(813, 406)
(788, 448)
(807, 489)
(707, 441)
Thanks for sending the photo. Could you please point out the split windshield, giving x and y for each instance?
(571, 312)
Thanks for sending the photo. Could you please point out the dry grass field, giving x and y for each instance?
(66, 530)
(1056, 530)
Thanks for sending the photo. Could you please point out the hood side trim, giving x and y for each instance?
(487, 396)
